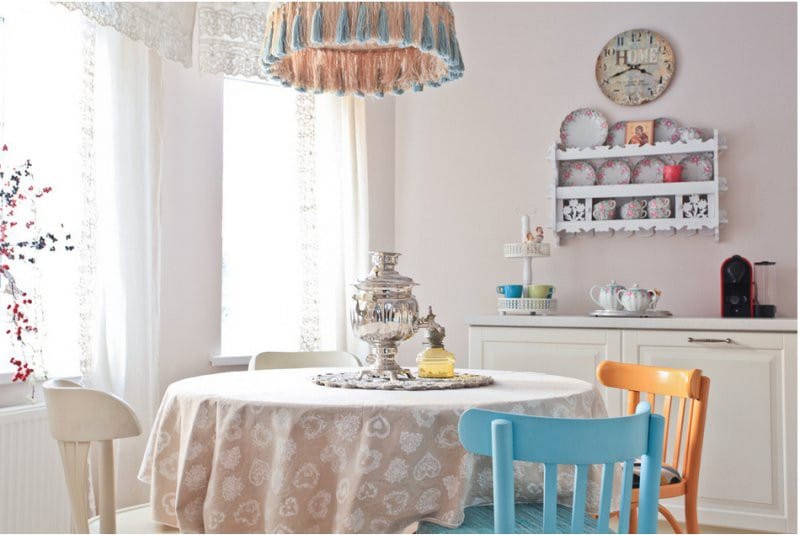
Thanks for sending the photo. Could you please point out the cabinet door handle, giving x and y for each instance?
(710, 340)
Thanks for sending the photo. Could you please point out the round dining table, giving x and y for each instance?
(271, 451)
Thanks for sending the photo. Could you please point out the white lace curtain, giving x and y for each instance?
(229, 34)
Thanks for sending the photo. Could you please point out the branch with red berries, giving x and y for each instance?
(23, 370)
(20, 242)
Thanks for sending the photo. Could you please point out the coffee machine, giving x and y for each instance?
(736, 279)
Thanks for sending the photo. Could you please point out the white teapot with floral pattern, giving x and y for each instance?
(606, 295)
(635, 299)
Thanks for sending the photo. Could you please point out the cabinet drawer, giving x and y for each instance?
(710, 340)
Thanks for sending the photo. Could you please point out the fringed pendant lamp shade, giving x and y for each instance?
(361, 48)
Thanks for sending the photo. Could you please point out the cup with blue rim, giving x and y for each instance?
(510, 291)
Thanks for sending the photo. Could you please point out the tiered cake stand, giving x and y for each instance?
(527, 250)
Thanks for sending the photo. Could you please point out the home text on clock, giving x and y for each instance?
(637, 56)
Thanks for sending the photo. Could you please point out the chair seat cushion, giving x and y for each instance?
(668, 475)
(529, 518)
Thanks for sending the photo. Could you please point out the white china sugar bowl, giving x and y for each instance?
(606, 295)
(635, 299)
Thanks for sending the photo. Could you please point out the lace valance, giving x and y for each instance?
(229, 35)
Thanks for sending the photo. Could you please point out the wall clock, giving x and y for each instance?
(635, 67)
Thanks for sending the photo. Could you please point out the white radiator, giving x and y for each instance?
(33, 495)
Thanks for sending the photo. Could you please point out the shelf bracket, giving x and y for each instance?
(646, 233)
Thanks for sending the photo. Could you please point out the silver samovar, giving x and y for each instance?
(385, 313)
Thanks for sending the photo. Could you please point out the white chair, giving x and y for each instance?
(79, 416)
(271, 360)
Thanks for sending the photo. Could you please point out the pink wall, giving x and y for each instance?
(470, 156)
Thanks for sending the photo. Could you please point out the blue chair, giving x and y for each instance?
(553, 441)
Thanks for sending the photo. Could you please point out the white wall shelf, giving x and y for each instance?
(694, 206)
(658, 149)
(636, 190)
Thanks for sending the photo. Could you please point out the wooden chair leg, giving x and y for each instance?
(75, 460)
(676, 527)
(690, 509)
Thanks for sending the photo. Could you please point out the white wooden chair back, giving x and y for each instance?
(271, 360)
(79, 416)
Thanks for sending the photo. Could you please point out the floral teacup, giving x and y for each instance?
(604, 210)
(658, 208)
(634, 209)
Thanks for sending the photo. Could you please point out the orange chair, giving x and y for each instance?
(671, 383)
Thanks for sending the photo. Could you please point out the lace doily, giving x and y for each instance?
(352, 380)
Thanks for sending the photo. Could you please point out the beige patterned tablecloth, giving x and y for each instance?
(269, 451)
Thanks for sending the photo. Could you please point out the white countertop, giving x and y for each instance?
(673, 323)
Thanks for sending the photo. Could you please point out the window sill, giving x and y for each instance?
(224, 361)
(6, 379)
(11, 392)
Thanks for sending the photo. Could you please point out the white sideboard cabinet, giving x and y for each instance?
(748, 469)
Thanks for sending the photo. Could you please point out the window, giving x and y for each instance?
(290, 229)
(41, 120)
(261, 262)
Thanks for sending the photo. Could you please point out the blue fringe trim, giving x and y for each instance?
(456, 61)
(427, 33)
(442, 42)
(408, 29)
(343, 26)
(297, 32)
(362, 24)
(268, 57)
(383, 26)
(281, 45)
(316, 26)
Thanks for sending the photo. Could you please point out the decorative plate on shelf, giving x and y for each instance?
(697, 168)
(576, 174)
(672, 159)
(648, 171)
(667, 129)
(616, 135)
(614, 172)
(690, 133)
(584, 128)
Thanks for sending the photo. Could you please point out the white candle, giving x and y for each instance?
(526, 227)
